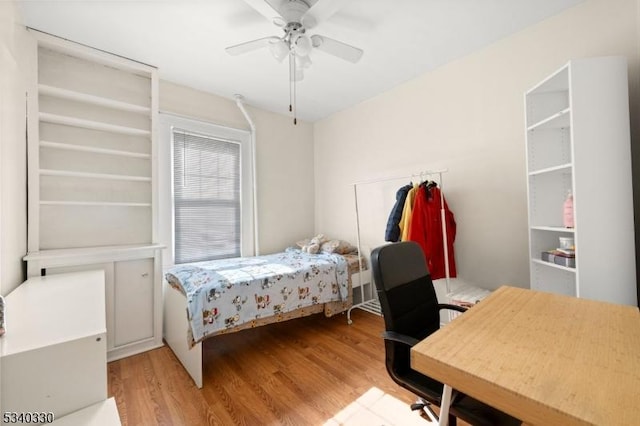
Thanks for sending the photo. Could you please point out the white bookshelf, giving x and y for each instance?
(92, 182)
(577, 139)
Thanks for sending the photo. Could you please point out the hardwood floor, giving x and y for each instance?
(300, 372)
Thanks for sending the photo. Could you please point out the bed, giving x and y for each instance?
(229, 295)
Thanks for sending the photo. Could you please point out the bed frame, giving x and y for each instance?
(176, 325)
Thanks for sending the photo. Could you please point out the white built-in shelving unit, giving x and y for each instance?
(577, 139)
(92, 182)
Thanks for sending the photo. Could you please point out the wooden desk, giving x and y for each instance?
(544, 358)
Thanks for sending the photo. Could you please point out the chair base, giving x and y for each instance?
(427, 411)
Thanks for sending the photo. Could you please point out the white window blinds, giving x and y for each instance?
(207, 199)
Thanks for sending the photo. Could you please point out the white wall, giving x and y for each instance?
(284, 158)
(466, 116)
(13, 219)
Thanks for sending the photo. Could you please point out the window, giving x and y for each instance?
(211, 198)
(206, 197)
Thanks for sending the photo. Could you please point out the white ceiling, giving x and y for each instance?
(186, 39)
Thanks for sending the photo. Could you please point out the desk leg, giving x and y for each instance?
(444, 406)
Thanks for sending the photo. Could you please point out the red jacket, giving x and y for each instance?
(426, 230)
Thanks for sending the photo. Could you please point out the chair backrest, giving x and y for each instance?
(407, 298)
(410, 307)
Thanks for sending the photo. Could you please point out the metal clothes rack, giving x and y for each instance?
(372, 304)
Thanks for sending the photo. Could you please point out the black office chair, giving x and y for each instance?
(411, 313)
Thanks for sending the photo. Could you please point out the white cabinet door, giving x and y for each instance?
(134, 301)
(108, 289)
(132, 293)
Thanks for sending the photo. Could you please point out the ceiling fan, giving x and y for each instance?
(295, 17)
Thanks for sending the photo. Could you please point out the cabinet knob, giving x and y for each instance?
(145, 275)
(98, 339)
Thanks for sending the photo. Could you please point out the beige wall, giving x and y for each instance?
(284, 158)
(13, 177)
(466, 116)
(284, 153)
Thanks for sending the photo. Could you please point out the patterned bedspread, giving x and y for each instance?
(228, 292)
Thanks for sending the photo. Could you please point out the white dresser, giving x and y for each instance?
(53, 356)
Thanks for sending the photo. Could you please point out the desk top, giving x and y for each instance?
(541, 357)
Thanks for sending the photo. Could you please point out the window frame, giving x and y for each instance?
(169, 122)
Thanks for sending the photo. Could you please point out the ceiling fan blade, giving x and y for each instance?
(320, 11)
(250, 46)
(266, 9)
(336, 48)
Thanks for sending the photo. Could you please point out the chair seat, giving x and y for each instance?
(426, 387)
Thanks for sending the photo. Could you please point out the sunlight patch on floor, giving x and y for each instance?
(375, 407)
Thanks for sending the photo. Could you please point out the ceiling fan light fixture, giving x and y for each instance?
(279, 49)
(303, 45)
(303, 62)
(295, 17)
(317, 40)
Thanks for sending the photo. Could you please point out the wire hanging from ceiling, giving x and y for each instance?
(292, 86)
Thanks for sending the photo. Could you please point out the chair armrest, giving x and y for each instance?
(452, 307)
(401, 338)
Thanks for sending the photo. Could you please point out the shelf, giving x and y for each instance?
(71, 147)
(93, 204)
(48, 172)
(556, 82)
(130, 251)
(558, 120)
(562, 167)
(553, 265)
(58, 92)
(93, 125)
(371, 306)
(553, 229)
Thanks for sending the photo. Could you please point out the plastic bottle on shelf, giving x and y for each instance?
(567, 211)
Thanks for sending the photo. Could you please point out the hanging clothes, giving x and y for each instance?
(392, 233)
(426, 229)
(405, 220)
